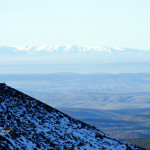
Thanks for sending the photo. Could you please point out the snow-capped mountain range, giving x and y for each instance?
(64, 48)
(74, 48)
(26, 124)
(72, 55)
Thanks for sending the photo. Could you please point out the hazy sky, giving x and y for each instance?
(111, 23)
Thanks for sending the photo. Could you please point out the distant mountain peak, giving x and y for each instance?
(24, 48)
(32, 124)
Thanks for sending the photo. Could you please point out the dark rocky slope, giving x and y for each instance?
(27, 124)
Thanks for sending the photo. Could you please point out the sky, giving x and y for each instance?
(111, 23)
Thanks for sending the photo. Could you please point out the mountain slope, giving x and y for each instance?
(35, 125)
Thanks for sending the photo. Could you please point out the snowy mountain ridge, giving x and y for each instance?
(74, 48)
(71, 55)
(35, 125)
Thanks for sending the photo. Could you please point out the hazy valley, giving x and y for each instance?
(97, 91)
(115, 103)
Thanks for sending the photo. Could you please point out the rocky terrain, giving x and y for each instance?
(26, 123)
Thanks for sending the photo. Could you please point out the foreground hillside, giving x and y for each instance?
(35, 125)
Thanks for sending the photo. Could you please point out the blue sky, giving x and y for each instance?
(111, 23)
